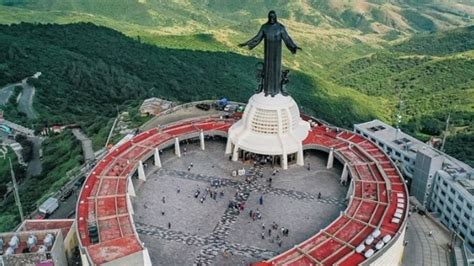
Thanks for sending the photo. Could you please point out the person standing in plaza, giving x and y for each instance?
(261, 200)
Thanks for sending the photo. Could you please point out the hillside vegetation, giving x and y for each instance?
(331, 31)
(190, 15)
(432, 75)
(439, 44)
(359, 60)
(89, 70)
(364, 53)
(62, 154)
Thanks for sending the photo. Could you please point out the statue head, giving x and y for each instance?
(272, 17)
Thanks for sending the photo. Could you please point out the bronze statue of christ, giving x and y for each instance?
(273, 33)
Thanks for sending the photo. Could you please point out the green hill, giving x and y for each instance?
(89, 70)
(358, 59)
(365, 51)
(368, 16)
(433, 75)
(442, 43)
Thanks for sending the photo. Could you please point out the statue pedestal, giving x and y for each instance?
(269, 126)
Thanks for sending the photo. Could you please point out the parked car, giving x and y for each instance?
(66, 194)
(203, 106)
(231, 107)
(79, 182)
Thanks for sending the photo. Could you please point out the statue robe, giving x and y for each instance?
(272, 34)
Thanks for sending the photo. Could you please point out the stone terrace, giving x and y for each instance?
(200, 232)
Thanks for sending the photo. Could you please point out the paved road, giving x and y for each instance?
(178, 115)
(423, 248)
(19, 128)
(6, 92)
(34, 165)
(86, 144)
(66, 208)
(26, 100)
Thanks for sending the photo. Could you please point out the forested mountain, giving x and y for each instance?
(190, 15)
(360, 59)
(368, 53)
(89, 70)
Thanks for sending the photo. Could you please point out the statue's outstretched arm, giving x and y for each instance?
(289, 42)
(255, 40)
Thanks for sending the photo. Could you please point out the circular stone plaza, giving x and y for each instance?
(192, 192)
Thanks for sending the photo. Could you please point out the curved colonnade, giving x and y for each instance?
(105, 226)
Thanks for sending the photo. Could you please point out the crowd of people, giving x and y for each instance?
(274, 233)
(211, 191)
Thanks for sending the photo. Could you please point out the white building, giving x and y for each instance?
(399, 146)
(270, 126)
(440, 182)
(452, 200)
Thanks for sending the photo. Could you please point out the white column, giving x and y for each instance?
(350, 191)
(235, 153)
(330, 159)
(177, 149)
(146, 258)
(345, 173)
(141, 171)
(129, 205)
(201, 138)
(300, 156)
(228, 146)
(157, 158)
(284, 161)
(131, 188)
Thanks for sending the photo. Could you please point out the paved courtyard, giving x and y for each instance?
(422, 247)
(178, 229)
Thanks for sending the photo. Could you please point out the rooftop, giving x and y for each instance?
(102, 205)
(451, 166)
(398, 139)
(28, 247)
(377, 203)
(48, 224)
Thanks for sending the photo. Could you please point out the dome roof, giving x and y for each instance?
(270, 125)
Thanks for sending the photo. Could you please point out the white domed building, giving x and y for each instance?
(269, 126)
